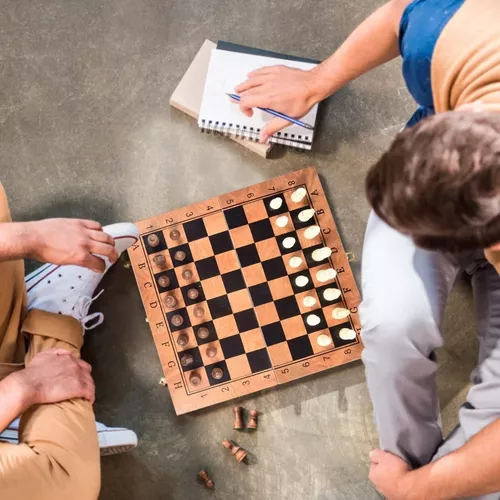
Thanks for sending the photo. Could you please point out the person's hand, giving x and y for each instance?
(70, 241)
(287, 90)
(390, 475)
(53, 376)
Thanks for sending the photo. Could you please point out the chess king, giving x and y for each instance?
(52, 452)
(436, 213)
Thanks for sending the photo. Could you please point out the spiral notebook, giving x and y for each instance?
(229, 65)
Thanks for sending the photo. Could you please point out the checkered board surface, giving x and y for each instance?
(252, 306)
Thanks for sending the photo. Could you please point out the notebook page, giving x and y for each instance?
(228, 69)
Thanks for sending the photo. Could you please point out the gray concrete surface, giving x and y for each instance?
(86, 130)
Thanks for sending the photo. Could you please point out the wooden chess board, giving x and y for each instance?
(247, 302)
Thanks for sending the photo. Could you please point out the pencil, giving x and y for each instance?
(277, 114)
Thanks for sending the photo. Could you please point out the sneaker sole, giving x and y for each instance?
(112, 442)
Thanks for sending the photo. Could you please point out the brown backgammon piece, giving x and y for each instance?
(193, 293)
(253, 422)
(182, 339)
(211, 352)
(217, 373)
(187, 274)
(199, 312)
(203, 333)
(170, 301)
(195, 379)
(177, 320)
(164, 281)
(174, 234)
(203, 475)
(153, 240)
(160, 261)
(238, 418)
(187, 360)
(180, 255)
(238, 452)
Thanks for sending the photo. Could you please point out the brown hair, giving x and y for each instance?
(439, 182)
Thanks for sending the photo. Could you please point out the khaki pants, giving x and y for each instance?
(58, 453)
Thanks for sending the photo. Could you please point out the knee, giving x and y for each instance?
(393, 336)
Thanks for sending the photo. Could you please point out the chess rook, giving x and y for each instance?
(238, 418)
(253, 422)
(237, 451)
(153, 240)
(203, 475)
(195, 379)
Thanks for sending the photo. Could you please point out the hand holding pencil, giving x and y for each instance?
(288, 91)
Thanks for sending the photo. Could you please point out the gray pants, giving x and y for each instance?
(404, 295)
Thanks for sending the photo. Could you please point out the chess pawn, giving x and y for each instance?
(203, 475)
(253, 422)
(237, 451)
(238, 418)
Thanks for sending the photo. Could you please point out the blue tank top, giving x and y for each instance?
(421, 25)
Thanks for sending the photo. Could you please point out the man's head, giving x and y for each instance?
(439, 182)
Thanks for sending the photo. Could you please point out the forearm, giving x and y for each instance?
(14, 240)
(372, 43)
(13, 399)
(472, 470)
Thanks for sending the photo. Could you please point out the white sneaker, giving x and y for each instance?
(69, 290)
(112, 440)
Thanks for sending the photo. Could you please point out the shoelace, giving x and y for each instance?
(82, 307)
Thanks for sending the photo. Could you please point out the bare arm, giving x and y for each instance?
(58, 241)
(471, 471)
(295, 92)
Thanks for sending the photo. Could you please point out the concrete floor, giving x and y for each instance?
(86, 131)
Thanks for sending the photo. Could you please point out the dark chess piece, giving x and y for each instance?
(160, 261)
(182, 339)
(237, 451)
(153, 240)
(198, 312)
(203, 333)
(170, 301)
(193, 293)
(203, 475)
(253, 422)
(187, 360)
(238, 424)
(217, 373)
(187, 274)
(164, 281)
(177, 320)
(195, 379)
(211, 351)
(180, 255)
(174, 234)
